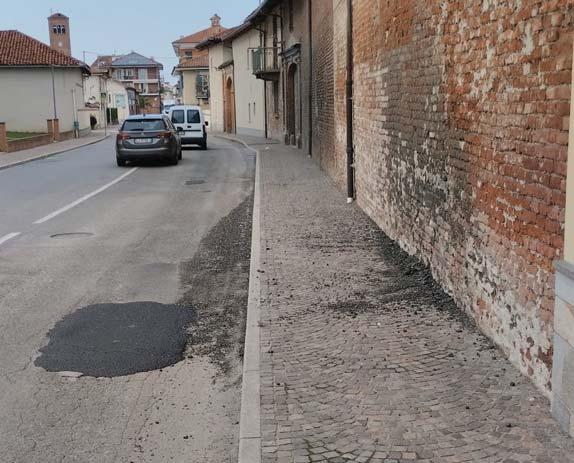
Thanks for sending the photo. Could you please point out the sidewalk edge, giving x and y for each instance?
(250, 424)
(47, 155)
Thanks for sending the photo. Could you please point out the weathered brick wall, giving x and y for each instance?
(300, 34)
(336, 164)
(461, 111)
(322, 84)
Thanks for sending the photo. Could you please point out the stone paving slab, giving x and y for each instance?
(363, 357)
(21, 157)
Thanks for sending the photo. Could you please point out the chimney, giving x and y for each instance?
(215, 21)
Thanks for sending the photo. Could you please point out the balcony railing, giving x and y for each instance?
(265, 62)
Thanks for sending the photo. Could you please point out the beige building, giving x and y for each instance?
(219, 55)
(101, 92)
(237, 96)
(38, 83)
(193, 68)
(249, 91)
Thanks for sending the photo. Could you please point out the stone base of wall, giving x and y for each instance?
(563, 365)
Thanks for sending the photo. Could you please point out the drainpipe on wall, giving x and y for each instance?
(349, 96)
(310, 26)
(54, 93)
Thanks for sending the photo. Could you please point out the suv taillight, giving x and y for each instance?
(164, 135)
(122, 136)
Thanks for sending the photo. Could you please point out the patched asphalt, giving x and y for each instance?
(109, 340)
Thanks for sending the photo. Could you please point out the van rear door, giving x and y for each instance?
(178, 118)
(193, 127)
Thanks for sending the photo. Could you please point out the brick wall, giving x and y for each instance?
(461, 118)
(322, 85)
(335, 162)
(300, 34)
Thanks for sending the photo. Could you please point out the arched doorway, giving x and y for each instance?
(229, 106)
(291, 100)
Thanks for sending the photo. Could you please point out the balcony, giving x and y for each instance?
(202, 86)
(265, 63)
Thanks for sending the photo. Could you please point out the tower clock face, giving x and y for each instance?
(59, 44)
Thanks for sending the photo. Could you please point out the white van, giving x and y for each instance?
(190, 124)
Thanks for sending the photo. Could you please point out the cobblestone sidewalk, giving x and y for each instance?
(363, 358)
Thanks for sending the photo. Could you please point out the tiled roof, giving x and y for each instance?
(214, 40)
(18, 49)
(237, 31)
(197, 62)
(201, 35)
(134, 59)
(102, 63)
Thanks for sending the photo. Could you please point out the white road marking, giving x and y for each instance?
(9, 236)
(84, 198)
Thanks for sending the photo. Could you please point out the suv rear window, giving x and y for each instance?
(193, 116)
(178, 116)
(141, 125)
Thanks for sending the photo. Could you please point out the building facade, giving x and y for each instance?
(38, 83)
(448, 123)
(193, 67)
(237, 98)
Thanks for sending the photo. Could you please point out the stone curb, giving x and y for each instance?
(250, 421)
(47, 155)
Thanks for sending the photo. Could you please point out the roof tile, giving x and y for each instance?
(18, 49)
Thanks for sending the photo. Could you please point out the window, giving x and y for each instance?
(254, 109)
(142, 74)
(188, 53)
(249, 111)
(178, 116)
(140, 125)
(120, 101)
(193, 116)
(291, 15)
(63, 29)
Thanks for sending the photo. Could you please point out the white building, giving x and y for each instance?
(38, 83)
(102, 92)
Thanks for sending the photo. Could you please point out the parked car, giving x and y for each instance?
(148, 136)
(191, 124)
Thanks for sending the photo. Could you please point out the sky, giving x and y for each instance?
(115, 26)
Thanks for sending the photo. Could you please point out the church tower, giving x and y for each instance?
(60, 33)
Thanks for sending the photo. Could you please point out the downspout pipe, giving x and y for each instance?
(349, 98)
(310, 89)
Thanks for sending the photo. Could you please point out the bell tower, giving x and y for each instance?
(59, 25)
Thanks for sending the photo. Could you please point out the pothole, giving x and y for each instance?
(195, 182)
(110, 340)
(73, 235)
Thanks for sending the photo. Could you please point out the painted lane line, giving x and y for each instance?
(84, 198)
(8, 237)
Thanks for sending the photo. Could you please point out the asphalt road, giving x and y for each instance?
(101, 267)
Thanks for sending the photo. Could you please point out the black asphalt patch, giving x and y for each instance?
(108, 340)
